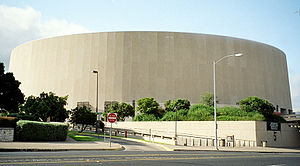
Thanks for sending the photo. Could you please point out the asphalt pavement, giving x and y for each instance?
(128, 144)
(165, 158)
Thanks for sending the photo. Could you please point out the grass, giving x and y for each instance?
(78, 137)
(84, 138)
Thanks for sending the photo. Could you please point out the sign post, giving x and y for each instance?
(112, 118)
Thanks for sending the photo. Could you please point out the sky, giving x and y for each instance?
(274, 22)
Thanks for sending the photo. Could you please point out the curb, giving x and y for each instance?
(248, 151)
(53, 149)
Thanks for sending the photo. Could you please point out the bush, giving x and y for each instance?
(171, 116)
(8, 122)
(148, 106)
(178, 104)
(200, 115)
(202, 107)
(236, 114)
(41, 131)
(254, 103)
(145, 117)
(276, 118)
(208, 99)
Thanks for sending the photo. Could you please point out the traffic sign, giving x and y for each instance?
(112, 117)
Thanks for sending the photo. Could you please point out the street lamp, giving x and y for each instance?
(215, 102)
(95, 71)
(176, 127)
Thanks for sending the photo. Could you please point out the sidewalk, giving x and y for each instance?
(67, 145)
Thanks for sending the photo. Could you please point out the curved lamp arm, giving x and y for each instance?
(236, 55)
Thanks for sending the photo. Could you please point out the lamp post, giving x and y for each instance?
(95, 71)
(176, 127)
(215, 96)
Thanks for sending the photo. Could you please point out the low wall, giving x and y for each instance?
(199, 133)
(288, 136)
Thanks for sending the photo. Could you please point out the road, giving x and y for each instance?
(161, 158)
(137, 146)
(139, 153)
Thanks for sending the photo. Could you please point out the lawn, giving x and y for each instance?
(84, 138)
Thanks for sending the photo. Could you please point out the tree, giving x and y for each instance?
(83, 116)
(148, 106)
(123, 110)
(10, 94)
(179, 104)
(208, 99)
(254, 103)
(45, 106)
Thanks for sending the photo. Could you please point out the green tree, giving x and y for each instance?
(45, 106)
(122, 109)
(208, 99)
(254, 103)
(10, 94)
(83, 116)
(148, 106)
(179, 104)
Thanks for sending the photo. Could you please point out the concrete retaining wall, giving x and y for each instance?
(202, 133)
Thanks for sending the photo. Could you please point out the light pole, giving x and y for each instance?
(215, 96)
(95, 71)
(176, 127)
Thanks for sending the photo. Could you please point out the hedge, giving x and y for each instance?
(41, 131)
(8, 121)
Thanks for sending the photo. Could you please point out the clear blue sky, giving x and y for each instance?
(274, 22)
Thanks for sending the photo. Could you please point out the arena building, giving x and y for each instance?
(162, 65)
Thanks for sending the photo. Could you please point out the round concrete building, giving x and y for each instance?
(162, 65)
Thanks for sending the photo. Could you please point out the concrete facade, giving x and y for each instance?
(162, 65)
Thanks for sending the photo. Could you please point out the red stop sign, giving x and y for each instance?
(112, 117)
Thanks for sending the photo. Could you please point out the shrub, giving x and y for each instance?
(171, 116)
(276, 118)
(200, 112)
(145, 117)
(178, 104)
(236, 114)
(208, 99)
(41, 131)
(203, 107)
(148, 106)
(254, 103)
(8, 121)
(200, 115)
